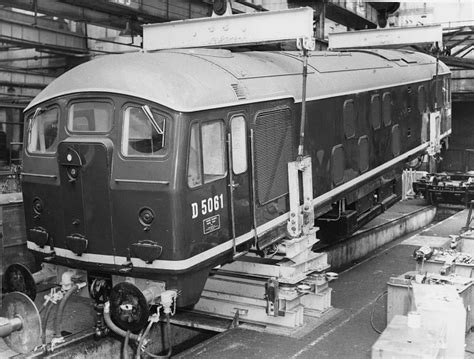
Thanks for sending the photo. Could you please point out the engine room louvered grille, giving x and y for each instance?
(274, 148)
(240, 91)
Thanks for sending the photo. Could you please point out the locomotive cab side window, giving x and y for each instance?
(206, 158)
(194, 158)
(239, 144)
(143, 134)
(43, 131)
(90, 117)
(446, 90)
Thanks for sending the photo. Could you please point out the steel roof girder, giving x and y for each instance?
(71, 11)
(19, 91)
(24, 80)
(12, 31)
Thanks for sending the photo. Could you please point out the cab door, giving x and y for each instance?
(239, 178)
(208, 220)
(217, 182)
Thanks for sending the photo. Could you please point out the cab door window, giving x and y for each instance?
(43, 131)
(239, 144)
(206, 157)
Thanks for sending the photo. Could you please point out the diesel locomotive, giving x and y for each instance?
(159, 166)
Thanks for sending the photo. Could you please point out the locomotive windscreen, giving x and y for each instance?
(274, 148)
(90, 116)
(43, 131)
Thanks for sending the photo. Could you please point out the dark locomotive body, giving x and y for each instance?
(149, 165)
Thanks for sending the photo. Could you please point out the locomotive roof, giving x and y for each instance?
(197, 79)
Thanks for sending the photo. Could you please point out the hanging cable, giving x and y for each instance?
(373, 311)
(62, 305)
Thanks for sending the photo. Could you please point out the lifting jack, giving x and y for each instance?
(278, 293)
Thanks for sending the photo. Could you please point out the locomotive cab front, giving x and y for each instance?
(100, 184)
(128, 189)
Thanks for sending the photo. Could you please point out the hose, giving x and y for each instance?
(142, 339)
(43, 307)
(45, 322)
(170, 348)
(59, 314)
(373, 310)
(115, 328)
(125, 345)
(136, 337)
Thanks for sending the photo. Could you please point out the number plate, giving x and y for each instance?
(211, 224)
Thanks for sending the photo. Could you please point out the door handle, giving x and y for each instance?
(233, 185)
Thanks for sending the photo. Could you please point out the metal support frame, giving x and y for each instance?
(303, 102)
(301, 220)
(435, 139)
(389, 37)
(236, 30)
(275, 293)
(264, 301)
(286, 270)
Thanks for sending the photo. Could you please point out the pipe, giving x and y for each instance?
(115, 328)
(170, 348)
(45, 322)
(151, 293)
(62, 305)
(142, 339)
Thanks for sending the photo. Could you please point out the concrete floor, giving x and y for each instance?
(356, 293)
